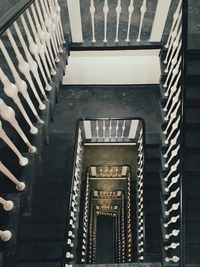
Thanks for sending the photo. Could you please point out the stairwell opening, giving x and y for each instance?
(106, 222)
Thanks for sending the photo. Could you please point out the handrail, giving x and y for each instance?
(182, 129)
(13, 13)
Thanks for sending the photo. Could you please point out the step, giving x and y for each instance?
(192, 253)
(42, 232)
(39, 264)
(52, 214)
(192, 114)
(40, 251)
(193, 92)
(192, 159)
(49, 198)
(192, 232)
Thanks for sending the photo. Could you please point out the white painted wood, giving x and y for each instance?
(133, 129)
(130, 13)
(124, 170)
(105, 11)
(113, 67)
(118, 12)
(87, 129)
(143, 10)
(160, 18)
(75, 20)
(93, 171)
(92, 13)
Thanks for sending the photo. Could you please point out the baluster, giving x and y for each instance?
(104, 129)
(174, 125)
(24, 69)
(92, 12)
(36, 48)
(130, 14)
(172, 246)
(5, 235)
(56, 19)
(175, 99)
(46, 41)
(175, 18)
(172, 195)
(31, 61)
(97, 129)
(172, 169)
(123, 129)
(58, 9)
(41, 35)
(8, 114)
(173, 181)
(51, 27)
(22, 160)
(173, 233)
(7, 204)
(173, 154)
(110, 129)
(174, 259)
(116, 130)
(11, 91)
(143, 10)
(172, 91)
(174, 34)
(172, 143)
(105, 11)
(118, 12)
(176, 49)
(174, 73)
(20, 186)
(172, 220)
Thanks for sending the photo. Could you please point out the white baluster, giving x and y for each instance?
(105, 11)
(174, 259)
(172, 143)
(118, 12)
(175, 18)
(5, 235)
(172, 169)
(116, 130)
(172, 246)
(31, 61)
(172, 195)
(175, 99)
(171, 77)
(172, 220)
(173, 36)
(7, 204)
(123, 129)
(22, 160)
(20, 186)
(97, 129)
(24, 69)
(46, 40)
(173, 233)
(8, 114)
(175, 50)
(143, 10)
(173, 181)
(92, 12)
(21, 85)
(173, 154)
(51, 27)
(172, 91)
(41, 35)
(58, 9)
(104, 129)
(130, 14)
(11, 91)
(110, 129)
(174, 125)
(36, 48)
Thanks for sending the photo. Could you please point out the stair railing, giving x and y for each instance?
(29, 49)
(103, 18)
(171, 176)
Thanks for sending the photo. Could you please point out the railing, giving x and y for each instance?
(34, 37)
(140, 199)
(114, 24)
(172, 117)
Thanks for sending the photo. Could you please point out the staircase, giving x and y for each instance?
(192, 156)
